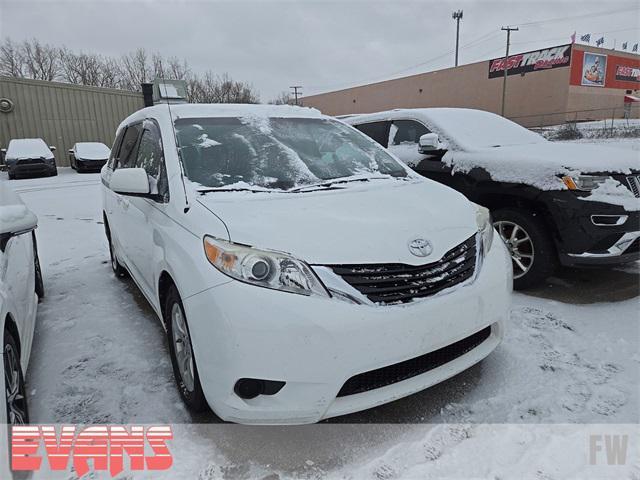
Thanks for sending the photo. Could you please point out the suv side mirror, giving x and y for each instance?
(428, 143)
(52, 148)
(71, 151)
(130, 181)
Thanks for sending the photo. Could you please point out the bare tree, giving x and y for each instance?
(11, 60)
(41, 62)
(283, 98)
(136, 70)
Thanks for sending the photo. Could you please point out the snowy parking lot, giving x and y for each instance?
(570, 355)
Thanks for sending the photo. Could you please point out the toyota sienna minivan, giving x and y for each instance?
(300, 270)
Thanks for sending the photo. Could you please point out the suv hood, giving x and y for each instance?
(371, 223)
(541, 164)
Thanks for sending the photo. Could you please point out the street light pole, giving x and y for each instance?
(457, 16)
(506, 65)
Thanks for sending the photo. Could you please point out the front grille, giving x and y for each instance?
(30, 161)
(398, 372)
(399, 283)
(634, 184)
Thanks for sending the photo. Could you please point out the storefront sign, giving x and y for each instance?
(627, 74)
(536, 60)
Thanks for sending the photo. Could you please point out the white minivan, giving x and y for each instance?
(300, 270)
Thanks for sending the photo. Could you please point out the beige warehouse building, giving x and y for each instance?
(62, 114)
(544, 87)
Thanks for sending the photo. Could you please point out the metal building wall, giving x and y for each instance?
(63, 114)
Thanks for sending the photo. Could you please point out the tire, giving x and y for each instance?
(15, 390)
(118, 269)
(180, 344)
(38, 271)
(530, 245)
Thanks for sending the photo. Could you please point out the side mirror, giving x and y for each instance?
(4, 150)
(15, 220)
(428, 143)
(71, 151)
(130, 181)
(52, 148)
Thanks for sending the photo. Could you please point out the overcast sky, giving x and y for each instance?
(320, 45)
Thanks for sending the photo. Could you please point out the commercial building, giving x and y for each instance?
(544, 87)
(62, 114)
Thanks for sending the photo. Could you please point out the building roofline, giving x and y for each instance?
(69, 86)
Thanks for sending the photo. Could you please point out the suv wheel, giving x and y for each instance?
(181, 350)
(118, 269)
(15, 391)
(532, 251)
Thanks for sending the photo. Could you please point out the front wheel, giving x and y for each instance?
(532, 251)
(185, 370)
(15, 391)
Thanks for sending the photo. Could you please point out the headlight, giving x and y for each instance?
(585, 183)
(485, 228)
(267, 269)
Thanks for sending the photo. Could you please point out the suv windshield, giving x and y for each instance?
(278, 153)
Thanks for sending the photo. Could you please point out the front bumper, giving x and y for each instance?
(90, 164)
(30, 168)
(316, 344)
(594, 233)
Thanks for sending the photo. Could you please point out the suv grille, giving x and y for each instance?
(400, 283)
(411, 368)
(634, 184)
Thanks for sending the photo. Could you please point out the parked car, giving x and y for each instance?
(29, 156)
(20, 287)
(300, 271)
(552, 203)
(88, 156)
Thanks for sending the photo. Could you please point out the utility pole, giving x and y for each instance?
(295, 92)
(506, 65)
(457, 16)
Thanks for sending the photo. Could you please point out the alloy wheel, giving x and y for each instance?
(182, 347)
(14, 388)
(519, 244)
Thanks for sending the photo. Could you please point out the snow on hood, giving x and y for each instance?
(361, 223)
(92, 151)
(542, 164)
(28, 148)
(14, 215)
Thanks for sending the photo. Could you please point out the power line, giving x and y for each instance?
(584, 15)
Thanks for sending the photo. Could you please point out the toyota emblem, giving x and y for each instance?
(420, 247)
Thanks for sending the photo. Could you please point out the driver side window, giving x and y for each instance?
(150, 157)
(406, 131)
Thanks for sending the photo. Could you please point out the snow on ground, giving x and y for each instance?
(100, 357)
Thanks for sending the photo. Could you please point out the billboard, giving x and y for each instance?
(536, 60)
(594, 68)
(626, 73)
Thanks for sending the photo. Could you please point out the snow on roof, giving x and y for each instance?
(28, 148)
(92, 150)
(207, 110)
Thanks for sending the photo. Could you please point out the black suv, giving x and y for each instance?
(552, 203)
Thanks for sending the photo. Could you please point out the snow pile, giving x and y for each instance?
(613, 192)
(28, 148)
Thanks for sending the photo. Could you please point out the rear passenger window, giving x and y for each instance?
(406, 131)
(127, 154)
(379, 131)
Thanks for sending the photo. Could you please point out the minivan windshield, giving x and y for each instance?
(277, 153)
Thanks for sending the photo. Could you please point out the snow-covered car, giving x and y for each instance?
(300, 271)
(29, 156)
(552, 203)
(20, 288)
(88, 156)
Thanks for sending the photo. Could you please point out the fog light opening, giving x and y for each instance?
(248, 388)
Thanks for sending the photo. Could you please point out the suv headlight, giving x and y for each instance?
(485, 228)
(267, 269)
(584, 183)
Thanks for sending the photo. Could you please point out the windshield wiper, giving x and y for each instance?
(335, 181)
(204, 191)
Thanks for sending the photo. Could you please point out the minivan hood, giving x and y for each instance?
(541, 164)
(371, 223)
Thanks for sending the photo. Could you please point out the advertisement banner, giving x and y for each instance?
(594, 68)
(521, 63)
(626, 73)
